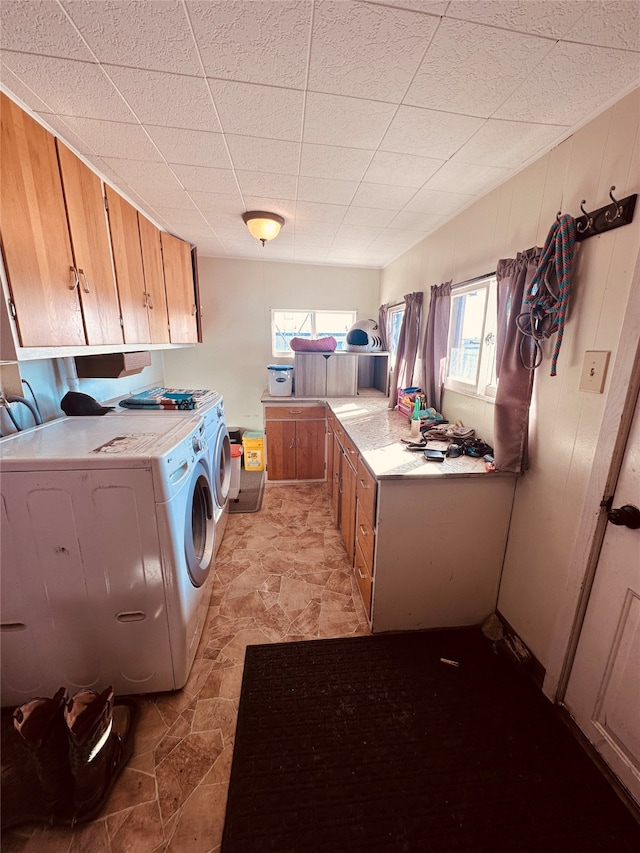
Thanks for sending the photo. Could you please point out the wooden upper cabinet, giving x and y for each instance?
(179, 285)
(35, 234)
(127, 257)
(91, 250)
(154, 280)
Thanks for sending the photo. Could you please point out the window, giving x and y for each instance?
(395, 315)
(308, 324)
(471, 361)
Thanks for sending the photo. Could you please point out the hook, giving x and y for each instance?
(619, 208)
(579, 227)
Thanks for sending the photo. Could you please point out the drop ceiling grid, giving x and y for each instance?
(365, 124)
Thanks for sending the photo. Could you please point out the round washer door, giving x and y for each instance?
(222, 467)
(199, 526)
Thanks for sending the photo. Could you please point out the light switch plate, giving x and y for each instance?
(594, 371)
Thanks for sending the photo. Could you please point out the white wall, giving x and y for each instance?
(236, 299)
(565, 421)
(47, 378)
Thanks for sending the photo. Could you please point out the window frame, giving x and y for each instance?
(393, 311)
(485, 384)
(313, 314)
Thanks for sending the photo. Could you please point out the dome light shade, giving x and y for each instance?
(262, 225)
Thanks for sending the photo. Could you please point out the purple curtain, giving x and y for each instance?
(434, 348)
(407, 345)
(515, 380)
(383, 315)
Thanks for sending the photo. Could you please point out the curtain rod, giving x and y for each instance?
(472, 280)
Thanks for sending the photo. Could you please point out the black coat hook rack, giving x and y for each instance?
(612, 215)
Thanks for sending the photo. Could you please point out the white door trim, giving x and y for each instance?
(619, 407)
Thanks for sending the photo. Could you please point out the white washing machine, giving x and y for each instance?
(107, 540)
(210, 408)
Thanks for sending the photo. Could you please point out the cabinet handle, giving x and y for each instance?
(193, 310)
(363, 484)
(145, 304)
(295, 411)
(86, 281)
(362, 577)
(363, 530)
(149, 300)
(76, 279)
(293, 444)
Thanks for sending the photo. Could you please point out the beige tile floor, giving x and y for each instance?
(282, 574)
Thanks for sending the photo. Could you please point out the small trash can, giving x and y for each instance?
(280, 380)
(236, 461)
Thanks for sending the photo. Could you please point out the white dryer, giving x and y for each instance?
(107, 537)
(210, 407)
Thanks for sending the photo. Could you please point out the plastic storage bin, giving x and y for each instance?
(253, 446)
(236, 462)
(280, 380)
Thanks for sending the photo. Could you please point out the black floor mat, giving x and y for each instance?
(250, 494)
(378, 744)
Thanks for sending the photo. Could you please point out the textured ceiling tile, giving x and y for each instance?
(361, 233)
(610, 23)
(432, 7)
(21, 92)
(331, 161)
(190, 147)
(318, 212)
(157, 97)
(507, 143)
(471, 69)
(539, 17)
(596, 75)
(283, 206)
(405, 170)
(143, 176)
(326, 191)
(387, 197)
(41, 27)
(465, 178)
(274, 155)
(437, 202)
(218, 207)
(350, 122)
(252, 110)
(409, 221)
(267, 184)
(206, 180)
(114, 139)
(379, 37)
(263, 42)
(369, 216)
(428, 133)
(188, 220)
(69, 87)
(151, 34)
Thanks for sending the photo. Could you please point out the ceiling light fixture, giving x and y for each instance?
(262, 225)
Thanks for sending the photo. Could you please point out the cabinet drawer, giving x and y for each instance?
(350, 450)
(365, 538)
(366, 491)
(364, 580)
(297, 413)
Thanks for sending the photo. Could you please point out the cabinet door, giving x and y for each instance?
(91, 250)
(281, 450)
(348, 506)
(35, 235)
(178, 280)
(342, 375)
(310, 374)
(310, 450)
(154, 280)
(335, 489)
(127, 257)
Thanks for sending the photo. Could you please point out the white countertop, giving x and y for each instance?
(377, 431)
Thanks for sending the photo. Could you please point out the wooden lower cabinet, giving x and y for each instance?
(296, 438)
(363, 579)
(348, 505)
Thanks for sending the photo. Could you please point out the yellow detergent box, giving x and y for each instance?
(253, 447)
